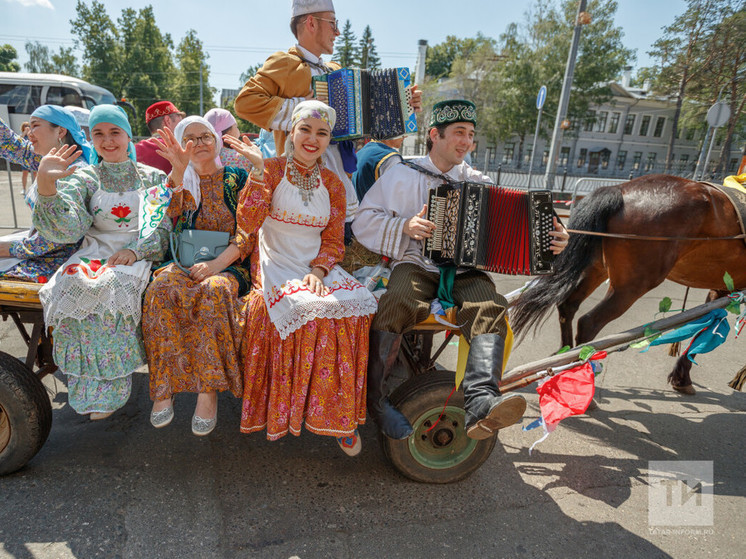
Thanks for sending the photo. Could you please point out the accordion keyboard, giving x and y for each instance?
(436, 214)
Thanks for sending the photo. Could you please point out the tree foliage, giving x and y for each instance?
(367, 50)
(8, 56)
(191, 63)
(346, 48)
(41, 60)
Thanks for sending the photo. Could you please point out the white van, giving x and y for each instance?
(21, 93)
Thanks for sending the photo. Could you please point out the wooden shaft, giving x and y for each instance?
(669, 323)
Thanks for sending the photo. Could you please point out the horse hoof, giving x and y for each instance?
(688, 389)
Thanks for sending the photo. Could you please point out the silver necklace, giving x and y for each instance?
(305, 183)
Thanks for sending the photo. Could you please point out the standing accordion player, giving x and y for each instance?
(368, 102)
(491, 228)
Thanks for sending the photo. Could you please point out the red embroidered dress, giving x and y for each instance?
(304, 356)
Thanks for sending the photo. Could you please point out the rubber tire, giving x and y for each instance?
(415, 398)
(27, 408)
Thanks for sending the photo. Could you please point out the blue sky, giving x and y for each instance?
(241, 33)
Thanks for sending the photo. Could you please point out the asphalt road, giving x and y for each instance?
(119, 488)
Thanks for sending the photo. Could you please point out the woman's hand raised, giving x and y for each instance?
(248, 149)
(175, 153)
(55, 166)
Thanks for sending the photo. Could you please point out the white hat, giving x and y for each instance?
(301, 7)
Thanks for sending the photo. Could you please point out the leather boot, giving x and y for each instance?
(384, 348)
(486, 410)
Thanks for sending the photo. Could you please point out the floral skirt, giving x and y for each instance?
(192, 332)
(98, 355)
(317, 374)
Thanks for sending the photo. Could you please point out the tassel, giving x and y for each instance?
(739, 380)
(674, 350)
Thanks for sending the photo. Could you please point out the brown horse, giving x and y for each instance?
(651, 206)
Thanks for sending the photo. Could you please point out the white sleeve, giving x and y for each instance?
(283, 116)
(376, 225)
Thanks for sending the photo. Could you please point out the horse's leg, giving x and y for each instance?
(679, 377)
(594, 276)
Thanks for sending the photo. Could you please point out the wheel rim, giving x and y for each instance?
(4, 429)
(444, 446)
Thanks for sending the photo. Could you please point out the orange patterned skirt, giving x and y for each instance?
(317, 374)
(192, 332)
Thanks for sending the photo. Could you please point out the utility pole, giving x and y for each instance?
(565, 95)
(201, 93)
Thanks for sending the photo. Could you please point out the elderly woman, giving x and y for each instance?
(94, 301)
(191, 322)
(225, 124)
(29, 256)
(306, 348)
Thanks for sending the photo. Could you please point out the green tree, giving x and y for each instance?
(96, 35)
(682, 57)
(367, 50)
(346, 50)
(440, 57)
(250, 72)
(191, 62)
(8, 54)
(42, 61)
(65, 62)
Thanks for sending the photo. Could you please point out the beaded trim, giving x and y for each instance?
(305, 183)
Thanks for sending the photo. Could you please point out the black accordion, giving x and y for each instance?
(368, 102)
(491, 228)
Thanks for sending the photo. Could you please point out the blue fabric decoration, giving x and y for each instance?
(347, 153)
(709, 332)
(62, 117)
(113, 115)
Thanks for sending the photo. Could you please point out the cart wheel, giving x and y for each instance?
(444, 454)
(25, 414)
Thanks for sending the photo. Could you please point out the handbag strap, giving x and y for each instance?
(172, 241)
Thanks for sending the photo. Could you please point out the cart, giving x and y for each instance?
(438, 451)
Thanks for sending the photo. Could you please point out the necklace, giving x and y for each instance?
(305, 183)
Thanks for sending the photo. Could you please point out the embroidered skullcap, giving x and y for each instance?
(220, 119)
(191, 178)
(161, 108)
(115, 115)
(301, 7)
(63, 117)
(453, 110)
(313, 109)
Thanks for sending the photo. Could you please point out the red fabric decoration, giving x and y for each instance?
(565, 394)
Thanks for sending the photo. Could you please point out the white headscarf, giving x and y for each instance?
(191, 178)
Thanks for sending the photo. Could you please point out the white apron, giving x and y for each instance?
(289, 239)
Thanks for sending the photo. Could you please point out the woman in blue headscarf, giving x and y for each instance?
(27, 255)
(94, 300)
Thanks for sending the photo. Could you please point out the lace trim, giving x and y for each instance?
(306, 312)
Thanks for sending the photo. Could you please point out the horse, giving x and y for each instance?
(643, 231)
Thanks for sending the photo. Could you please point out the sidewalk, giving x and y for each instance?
(22, 211)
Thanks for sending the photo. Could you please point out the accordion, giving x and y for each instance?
(491, 228)
(368, 102)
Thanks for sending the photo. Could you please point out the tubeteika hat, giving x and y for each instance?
(302, 7)
(161, 108)
(453, 110)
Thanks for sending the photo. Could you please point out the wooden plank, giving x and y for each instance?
(21, 294)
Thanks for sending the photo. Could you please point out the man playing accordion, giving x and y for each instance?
(391, 220)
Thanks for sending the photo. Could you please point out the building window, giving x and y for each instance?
(605, 155)
(527, 154)
(637, 160)
(582, 157)
(690, 134)
(492, 150)
(614, 122)
(590, 119)
(733, 165)
(644, 125)
(683, 160)
(621, 159)
(650, 163)
(659, 124)
(545, 157)
(629, 124)
(564, 156)
(508, 152)
(601, 121)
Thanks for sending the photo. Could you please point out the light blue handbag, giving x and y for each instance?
(194, 245)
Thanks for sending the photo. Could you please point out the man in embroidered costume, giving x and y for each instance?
(391, 221)
(162, 114)
(373, 160)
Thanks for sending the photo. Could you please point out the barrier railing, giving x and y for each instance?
(12, 199)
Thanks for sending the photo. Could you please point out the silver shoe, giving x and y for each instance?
(162, 418)
(202, 427)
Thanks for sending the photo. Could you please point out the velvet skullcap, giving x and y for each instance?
(453, 110)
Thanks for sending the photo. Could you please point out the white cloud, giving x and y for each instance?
(40, 3)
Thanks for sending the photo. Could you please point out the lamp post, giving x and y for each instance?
(581, 19)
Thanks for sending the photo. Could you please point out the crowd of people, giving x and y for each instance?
(267, 313)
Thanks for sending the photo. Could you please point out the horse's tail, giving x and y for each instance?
(591, 214)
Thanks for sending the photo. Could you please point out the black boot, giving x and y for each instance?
(486, 410)
(384, 347)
